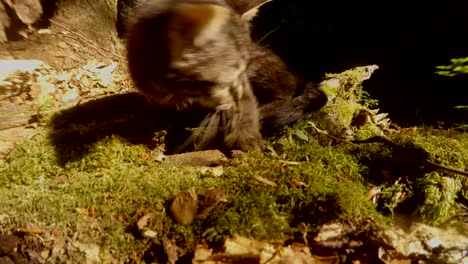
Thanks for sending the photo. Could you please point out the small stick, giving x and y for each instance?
(86, 40)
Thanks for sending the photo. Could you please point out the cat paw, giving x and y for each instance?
(248, 144)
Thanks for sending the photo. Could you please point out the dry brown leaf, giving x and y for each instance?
(379, 117)
(171, 251)
(122, 217)
(329, 231)
(59, 182)
(91, 251)
(210, 200)
(4, 23)
(28, 11)
(58, 247)
(299, 184)
(70, 95)
(184, 207)
(392, 257)
(202, 254)
(4, 218)
(143, 222)
(31, 230)
(373, 192)
(244, 250)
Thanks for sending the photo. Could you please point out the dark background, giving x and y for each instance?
(407, 41)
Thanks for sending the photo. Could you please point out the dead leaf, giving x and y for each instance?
(4, 23)
(241, 248)
(92, 212)
(392, 257)
(59, 247)
(70, 95)
(149, 233)
(122, 217)
(44, 31)
(160, 157)
(45, 254)
(380, 117)
(202, 253)
(91, 251)
(28, 11)
(143, 222)
(212, 171)
(329, 231)
(82, 211)
(59, 182)
(210, 200)
(299, 184)
(184, 207)
(171, 251)
(373, 192)
(31, 230)
(3, 218)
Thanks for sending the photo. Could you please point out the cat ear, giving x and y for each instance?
(246, 8)
(200, 22)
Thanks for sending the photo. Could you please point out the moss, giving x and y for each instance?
(402, 169)
(101, 196)
(438, 196)
(97, 190)
(449, 147)
(367, 131)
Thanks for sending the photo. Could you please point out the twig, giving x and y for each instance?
(430, 163)
(78, 39)
(382, 139)
(289, 162)
(376, 139)
(265, 181)
(86, 40)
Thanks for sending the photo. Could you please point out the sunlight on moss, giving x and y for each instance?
(99, 191)
(368, 130)
(439, 198)
(106, 188)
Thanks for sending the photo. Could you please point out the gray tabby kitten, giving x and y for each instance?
(194, 53)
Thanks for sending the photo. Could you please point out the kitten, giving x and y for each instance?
(162, 32)
(192, 53)
(247, 8)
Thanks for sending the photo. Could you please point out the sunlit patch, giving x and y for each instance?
(8, 67)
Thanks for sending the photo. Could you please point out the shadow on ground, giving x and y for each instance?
(129, 116)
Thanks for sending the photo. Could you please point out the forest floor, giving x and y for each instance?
(84, 178)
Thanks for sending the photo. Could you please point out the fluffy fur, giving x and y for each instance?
(197, 56)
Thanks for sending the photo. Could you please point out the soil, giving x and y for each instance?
(62, 49)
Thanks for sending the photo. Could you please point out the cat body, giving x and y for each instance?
(190, 53)
(284, 97)
(197, 56)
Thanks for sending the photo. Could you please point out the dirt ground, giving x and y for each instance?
(63, 51)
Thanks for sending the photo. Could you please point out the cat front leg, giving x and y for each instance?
(241, 123)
